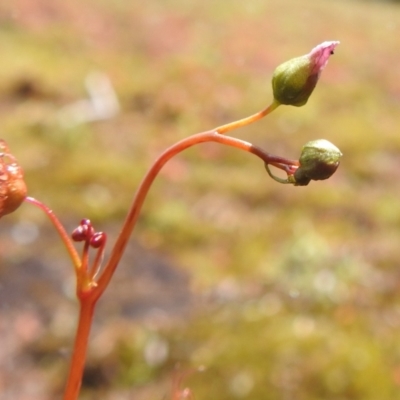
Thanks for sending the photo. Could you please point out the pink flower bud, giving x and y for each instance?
(294, 80)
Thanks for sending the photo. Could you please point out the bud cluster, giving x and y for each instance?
(86, 233)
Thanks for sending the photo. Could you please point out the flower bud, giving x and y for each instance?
(294, 80)
(98, 240)
(12, 185)
(318, 161)
(83, 232)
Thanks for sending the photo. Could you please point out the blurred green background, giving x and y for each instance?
(280, 292)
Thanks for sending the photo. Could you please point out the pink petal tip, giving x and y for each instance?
(320, 54)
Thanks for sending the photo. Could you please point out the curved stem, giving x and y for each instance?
(88, 298)
(248, 120)
(60, 229)
(143, 189)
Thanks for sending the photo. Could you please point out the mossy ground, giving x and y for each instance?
(296, 289)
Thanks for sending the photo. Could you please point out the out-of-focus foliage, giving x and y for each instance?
(294, 291)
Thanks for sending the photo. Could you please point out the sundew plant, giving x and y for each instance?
(292, 84)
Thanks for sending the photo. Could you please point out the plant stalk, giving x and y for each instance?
(144, 187)
(77, 363)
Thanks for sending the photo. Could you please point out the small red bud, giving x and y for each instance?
(98, 240)
(83, 232)
(79, 234)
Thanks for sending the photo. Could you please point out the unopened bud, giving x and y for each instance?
(294, 80)
(83, 232)
(318, 161)
(98, 240)
(12, 185)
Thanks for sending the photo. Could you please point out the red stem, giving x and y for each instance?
(86, 310)
(60, 229)
(89, 294)
(88, 291)
(138, 200)
(78, 359)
